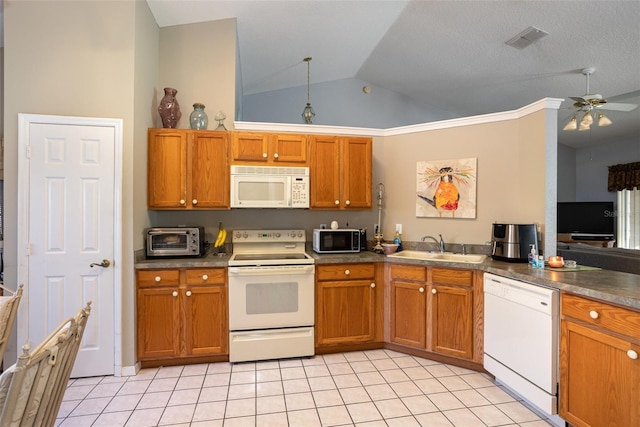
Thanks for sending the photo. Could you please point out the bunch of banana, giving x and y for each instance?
(222, 236)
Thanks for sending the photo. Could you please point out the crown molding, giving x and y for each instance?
(545, 103)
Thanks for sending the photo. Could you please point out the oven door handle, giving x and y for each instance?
(270, 271)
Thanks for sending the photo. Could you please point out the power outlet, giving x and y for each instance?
(399, 228)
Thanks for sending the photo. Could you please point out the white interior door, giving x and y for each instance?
(71, 237)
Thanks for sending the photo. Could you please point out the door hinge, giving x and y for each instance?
(28, 151)
(27, 249)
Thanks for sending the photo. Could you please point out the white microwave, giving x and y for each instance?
(269, 187)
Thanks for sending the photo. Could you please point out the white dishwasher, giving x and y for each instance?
(521, 327)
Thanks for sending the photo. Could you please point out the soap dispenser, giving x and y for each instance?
(533, 256)
(397, 240)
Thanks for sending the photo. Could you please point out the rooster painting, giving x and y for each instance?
(446, 188)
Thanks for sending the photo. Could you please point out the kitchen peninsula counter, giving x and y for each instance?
(610, 286)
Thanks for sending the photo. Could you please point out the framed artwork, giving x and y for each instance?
(446, 188)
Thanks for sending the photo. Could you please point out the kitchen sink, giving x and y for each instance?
(439, 256)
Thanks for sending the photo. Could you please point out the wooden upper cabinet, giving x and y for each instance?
(188, 169)
(341, 172)
(269, 149)
(167, 168)
(209, 171)
(357, 172)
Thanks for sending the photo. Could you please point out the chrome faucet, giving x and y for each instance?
(440, 242)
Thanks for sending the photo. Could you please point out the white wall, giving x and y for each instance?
(83, 59)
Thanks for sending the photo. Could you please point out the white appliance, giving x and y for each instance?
(271, 296)
(521, 339)
(269, 187)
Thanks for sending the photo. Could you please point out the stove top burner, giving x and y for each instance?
(269, 247)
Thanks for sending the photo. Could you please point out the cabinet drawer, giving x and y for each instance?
(345, 271)
(147, 278)
(615, 319)
(409, 272)
(445, 276)
(205, 276)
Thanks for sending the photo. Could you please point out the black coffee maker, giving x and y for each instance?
(512, 242)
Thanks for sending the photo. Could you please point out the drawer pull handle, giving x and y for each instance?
(347, 272)
(182, 202)
(594, 314)
(275, 155)
(264, 155)
(205, 277)
(433, 291)
(194, 202)
(348, 202)
(373, 285)
(632, 355)
(188, 293)
(337, 202)
(157, 278)
(174, 293)
(421, 290)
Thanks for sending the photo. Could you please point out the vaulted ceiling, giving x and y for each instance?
(448, 54)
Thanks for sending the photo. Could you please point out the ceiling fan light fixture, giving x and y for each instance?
(572, 124)
(587, 119)
(583, 126)
(603, 120)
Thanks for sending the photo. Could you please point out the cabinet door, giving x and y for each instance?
(205, 322)
(356, 173)
(451, 315)
(325, 172)
(289, 148)
(598, 379)
(250, 147)
(408, 313)
(167, 168)
(345, 312)
(209, 170)
(159, 322)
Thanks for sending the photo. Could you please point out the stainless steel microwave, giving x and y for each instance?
(326, 241)
(175, 242)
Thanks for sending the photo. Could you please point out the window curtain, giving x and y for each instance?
(624, 177)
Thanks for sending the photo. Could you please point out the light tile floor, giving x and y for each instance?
(370, 388)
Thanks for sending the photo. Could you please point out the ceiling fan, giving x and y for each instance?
(588, 103)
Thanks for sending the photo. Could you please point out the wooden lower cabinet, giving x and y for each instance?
(408, 301)
(451, 312)
(181, 315)
(599, 363)
(436, 310)
(348, 306)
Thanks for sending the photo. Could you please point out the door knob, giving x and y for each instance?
(105, 263)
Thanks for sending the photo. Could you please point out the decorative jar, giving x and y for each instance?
(198, 118)
(169, 108)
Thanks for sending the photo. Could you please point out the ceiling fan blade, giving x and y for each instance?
(577, 99)
(616, 106)
(624, 96)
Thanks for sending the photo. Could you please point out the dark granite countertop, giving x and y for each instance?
(606, 285)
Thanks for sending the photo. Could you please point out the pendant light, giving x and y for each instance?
(308, 114)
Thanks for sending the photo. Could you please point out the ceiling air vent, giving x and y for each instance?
(526, 37)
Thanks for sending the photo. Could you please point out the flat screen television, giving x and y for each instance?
(587, 220)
